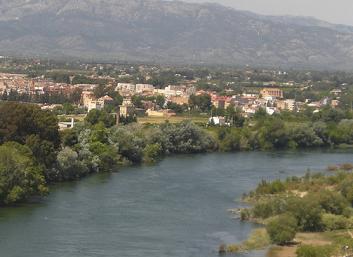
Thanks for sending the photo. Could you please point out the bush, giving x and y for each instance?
(335, 222)
(257, 240)
(69, 167)
(331, 202)
(152, 153)
(307, 212)
(274, 187)
(282, 229)
(245, 214)
(346, 166)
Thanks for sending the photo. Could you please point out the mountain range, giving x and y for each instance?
(170, 32)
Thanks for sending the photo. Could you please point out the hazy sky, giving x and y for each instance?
(336, 11)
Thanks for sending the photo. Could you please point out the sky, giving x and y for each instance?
(335, 11)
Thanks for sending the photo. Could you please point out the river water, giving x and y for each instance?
(177, 208)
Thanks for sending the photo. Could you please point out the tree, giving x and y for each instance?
(201, 102)
(186, 137)
(160, 100)
(20, 176)
(308, 213)
(234, 116)
(18, 121)
(69, 165)
(273, 134)
(43, 150)
(96, 116)
(282, 229)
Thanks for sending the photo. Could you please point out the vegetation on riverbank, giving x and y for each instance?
(97, 145)
(299, 206)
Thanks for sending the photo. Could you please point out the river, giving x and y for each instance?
(177, 208)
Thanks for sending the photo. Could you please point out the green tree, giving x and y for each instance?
(96, 116)
(43, 150)
(282, 229)
(201, 102)
(69, 166)
(18, 121)
(152, 153)
(20, 176)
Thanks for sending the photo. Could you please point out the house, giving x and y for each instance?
(335, 103)
(179, 99)
(126, 88)
(288, 104)
(106, 100)
(161, 113)
(127, 109)
(219, 102)
(86, 98)
(66, 125)
(219, 121)
(336, 92)
(272, 92)
(141, 88)
(95, 105)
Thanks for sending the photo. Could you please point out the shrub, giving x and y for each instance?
(274, 187)
(152, 153)
(232, 249)
(263, 210)
(307, 212)
(282, 229)
(331, 202)
(332, 168)
(346, 166)
(245, 214)
(69, 167)
(335, 222)
(257, 240)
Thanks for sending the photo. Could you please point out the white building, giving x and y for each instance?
(140, 88)
(126, 87)
(219, 121)
(95, 105)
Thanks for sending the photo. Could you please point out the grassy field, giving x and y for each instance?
(78, 117)
(316, 239)
(175, 119)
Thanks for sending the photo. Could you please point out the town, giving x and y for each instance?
(151, 93)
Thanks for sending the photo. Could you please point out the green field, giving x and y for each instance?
(174, 119)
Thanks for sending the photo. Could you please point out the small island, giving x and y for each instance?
(309, 216)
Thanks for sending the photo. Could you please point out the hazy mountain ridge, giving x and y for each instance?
(153, 30)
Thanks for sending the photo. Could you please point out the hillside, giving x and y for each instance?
(171, 32)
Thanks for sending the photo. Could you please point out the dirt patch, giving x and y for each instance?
(301, 238)
(282, 251)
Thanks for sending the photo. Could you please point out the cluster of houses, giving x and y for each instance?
(270, 98)
(22, 84)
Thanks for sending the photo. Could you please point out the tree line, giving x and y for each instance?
(41, 155)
